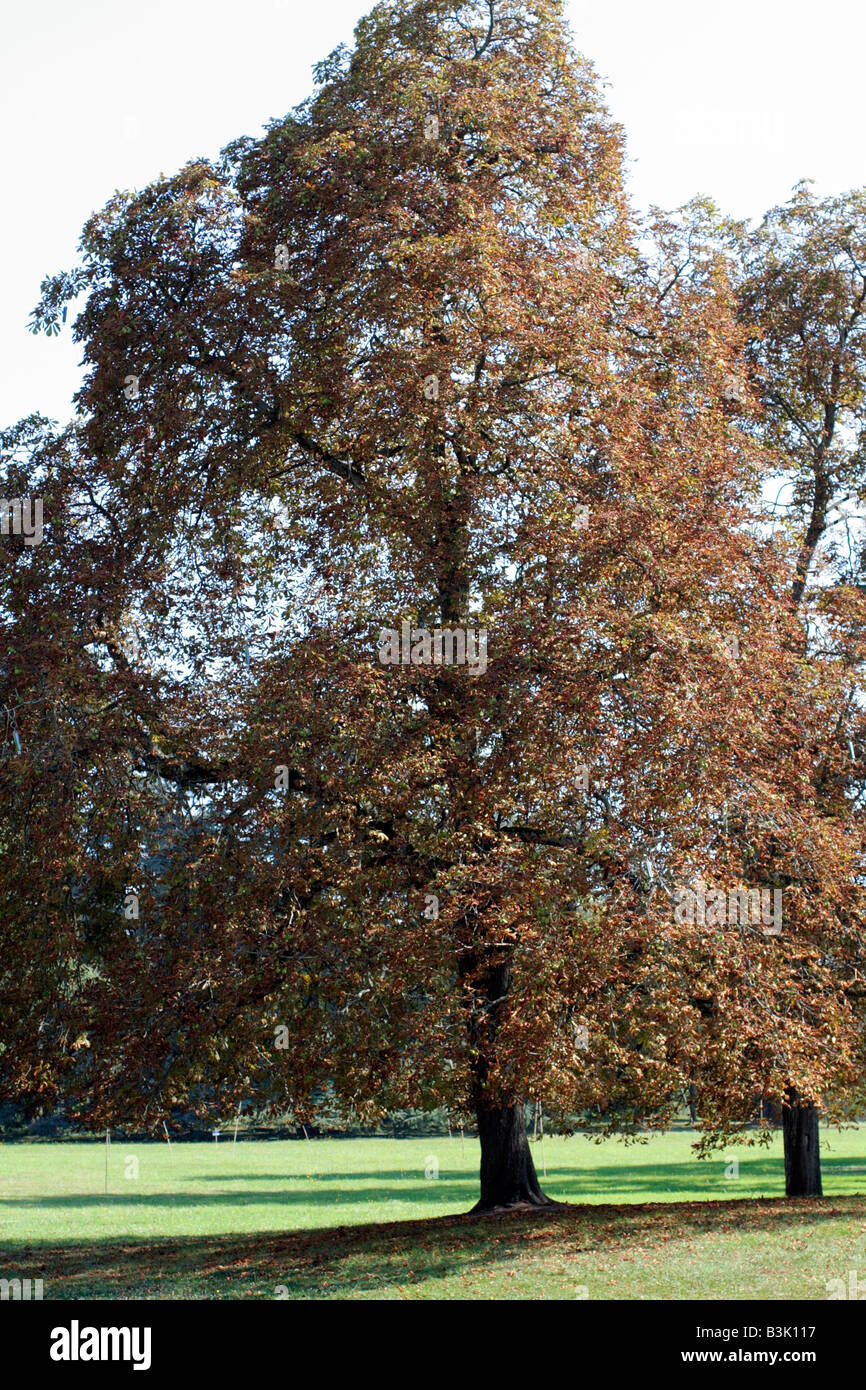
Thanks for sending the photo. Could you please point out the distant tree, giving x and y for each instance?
(803, 300)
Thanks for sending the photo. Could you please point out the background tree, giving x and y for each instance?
(802, 292)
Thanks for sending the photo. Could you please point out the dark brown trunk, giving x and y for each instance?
(802, 1155)
(508, 1177)
(693, 1104)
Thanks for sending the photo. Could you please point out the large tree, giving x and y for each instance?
(404, 360)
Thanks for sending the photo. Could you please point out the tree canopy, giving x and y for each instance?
(408, 363)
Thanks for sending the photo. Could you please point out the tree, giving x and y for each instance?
(802, 293)
(797, 394)
(394, 375)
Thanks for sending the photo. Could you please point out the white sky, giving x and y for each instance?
(738, 100)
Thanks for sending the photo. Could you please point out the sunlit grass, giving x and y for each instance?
(179, 1221)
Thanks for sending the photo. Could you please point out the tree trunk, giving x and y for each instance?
(508, 1177)
(693, 1104)
(802, 1156)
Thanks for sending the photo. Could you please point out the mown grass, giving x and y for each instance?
(359, 1219)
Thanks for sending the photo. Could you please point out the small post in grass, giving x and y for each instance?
(237, 1117)
(167, 1138)
(107, 1147)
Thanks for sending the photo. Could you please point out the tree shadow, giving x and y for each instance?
(320, 1190)
(424, 1192)
(361, 1259)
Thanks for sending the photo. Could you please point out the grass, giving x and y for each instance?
(359, 1218)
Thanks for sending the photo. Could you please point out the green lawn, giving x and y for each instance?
(653, 1221)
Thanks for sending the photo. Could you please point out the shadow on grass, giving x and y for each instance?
(566, 1184)
(423, 1193)
(357, 1260)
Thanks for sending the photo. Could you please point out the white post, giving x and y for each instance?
(107, 1147)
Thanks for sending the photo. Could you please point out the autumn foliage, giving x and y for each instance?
(410, 357)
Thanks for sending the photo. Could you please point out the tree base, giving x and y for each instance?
(538, 1206)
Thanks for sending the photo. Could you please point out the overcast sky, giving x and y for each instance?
(737, 100)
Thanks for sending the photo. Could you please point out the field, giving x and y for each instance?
(381, 1218)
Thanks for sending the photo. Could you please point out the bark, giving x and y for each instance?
(802, 1156)
(693, 1104)
(508, 1177)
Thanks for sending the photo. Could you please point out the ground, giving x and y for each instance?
(381, 1218)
